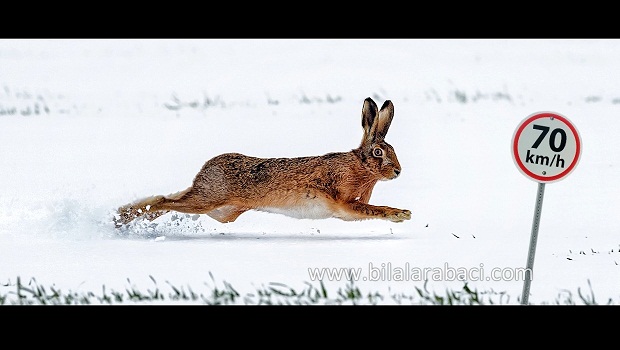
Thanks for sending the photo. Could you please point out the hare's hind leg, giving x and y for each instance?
(144, 207)
(153, 207)
(194, 202)
(188, 201)
(360, 211)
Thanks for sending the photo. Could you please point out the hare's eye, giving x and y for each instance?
(377, 152)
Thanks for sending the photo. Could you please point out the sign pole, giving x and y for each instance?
(529, 268)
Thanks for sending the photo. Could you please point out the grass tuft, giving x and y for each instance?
(273, 293)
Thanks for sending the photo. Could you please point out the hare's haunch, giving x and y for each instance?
(335, 185)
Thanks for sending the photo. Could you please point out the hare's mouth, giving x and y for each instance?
(392, 175)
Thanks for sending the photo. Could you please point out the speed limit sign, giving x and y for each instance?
(546, 147)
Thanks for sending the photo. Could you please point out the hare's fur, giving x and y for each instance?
(332, 185)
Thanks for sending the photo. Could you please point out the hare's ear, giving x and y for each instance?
(369, 121)
(386, 114)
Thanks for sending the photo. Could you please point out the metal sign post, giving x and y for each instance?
(529, 267)
(546, 147)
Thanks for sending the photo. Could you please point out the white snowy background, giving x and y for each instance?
(89, 125)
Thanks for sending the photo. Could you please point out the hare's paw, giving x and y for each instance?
(399, 215)
(125, 215)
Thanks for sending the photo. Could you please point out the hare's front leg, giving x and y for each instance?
(359, 211)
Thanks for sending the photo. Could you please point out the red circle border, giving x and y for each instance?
(515, 150)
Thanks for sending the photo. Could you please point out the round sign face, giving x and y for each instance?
(546, 147)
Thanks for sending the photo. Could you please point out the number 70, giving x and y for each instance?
(552, 137)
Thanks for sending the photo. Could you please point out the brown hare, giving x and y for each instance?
(337, 185)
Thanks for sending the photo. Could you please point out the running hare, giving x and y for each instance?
(332, 185)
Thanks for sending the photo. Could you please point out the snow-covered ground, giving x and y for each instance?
(89, 125)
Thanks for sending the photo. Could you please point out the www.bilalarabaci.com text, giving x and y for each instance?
(406, 272)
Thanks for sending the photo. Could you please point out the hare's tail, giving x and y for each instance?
(147, 207)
